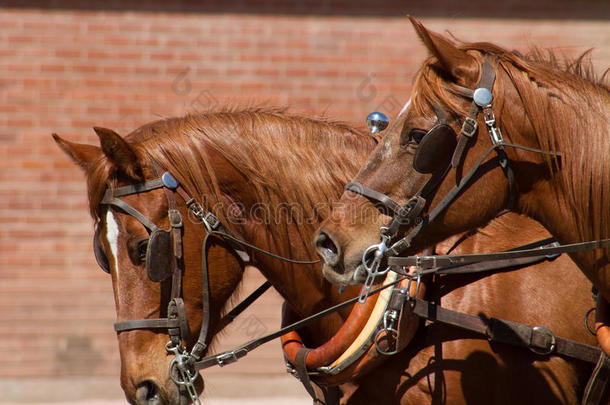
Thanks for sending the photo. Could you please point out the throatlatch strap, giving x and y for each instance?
(200, 346)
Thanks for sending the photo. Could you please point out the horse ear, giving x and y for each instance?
(119, 152)
(452, 60)
(83, 155)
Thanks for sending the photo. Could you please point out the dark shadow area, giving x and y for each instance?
(502, 374)
(543, 9)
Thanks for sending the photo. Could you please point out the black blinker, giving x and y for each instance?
(100, 256)
(435, 149)
(159, 257)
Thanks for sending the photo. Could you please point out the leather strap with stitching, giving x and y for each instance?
(503, 331)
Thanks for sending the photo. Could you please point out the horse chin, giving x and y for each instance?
(174, 396)
(151, 392)
(335, 275)
(346, 275)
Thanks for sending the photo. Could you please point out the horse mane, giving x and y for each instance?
(568, 106)
(295, 164)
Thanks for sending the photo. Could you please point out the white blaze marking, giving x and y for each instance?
(404, 108)
(112, 235)
(387, 150)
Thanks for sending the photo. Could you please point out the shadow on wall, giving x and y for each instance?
(76, 355)
(542, 9)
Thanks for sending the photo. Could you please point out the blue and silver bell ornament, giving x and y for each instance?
(377, 122)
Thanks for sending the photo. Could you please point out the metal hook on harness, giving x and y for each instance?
(390, 317)
(377, 251)
(182, 372)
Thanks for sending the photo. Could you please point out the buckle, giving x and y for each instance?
(231, 357)
(552, 255)
(175, 218)
(543, 351)
(426, 262)
(211, 220)
(469, 127)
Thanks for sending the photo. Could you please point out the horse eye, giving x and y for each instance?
(412, 136)
(136, 248)
(142, 249)
(416, 135)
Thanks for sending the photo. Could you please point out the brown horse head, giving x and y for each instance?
(261, 172)
(123, 243)
(538, 104)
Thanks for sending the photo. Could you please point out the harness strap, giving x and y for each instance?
(331, 395)
(109, 199)
(492, 265)
(138, 188)
(241, 307)
(596, 386)
(538, 339)
(375, 197)
(175, 222)
(469, 127)
(199, 347)
(176, 310)
(483, 267)
(429, 262)
(230, 356)
(158, 323)
(300, 367)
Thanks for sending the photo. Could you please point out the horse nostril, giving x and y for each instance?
(147, 393)
(327, 248)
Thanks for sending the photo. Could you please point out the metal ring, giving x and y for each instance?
(181, 372)
(591, 331)
(388, 331)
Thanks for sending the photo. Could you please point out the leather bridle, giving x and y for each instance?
(182, 367)
(410, 215)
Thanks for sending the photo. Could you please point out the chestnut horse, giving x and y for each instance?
(271, 178)
(537, 131)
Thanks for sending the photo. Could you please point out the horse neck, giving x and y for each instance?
(302, 286)
(571, 202)
(307, 183)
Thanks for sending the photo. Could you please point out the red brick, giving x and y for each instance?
(64, 71)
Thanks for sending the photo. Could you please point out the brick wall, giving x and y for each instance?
(109, 64)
